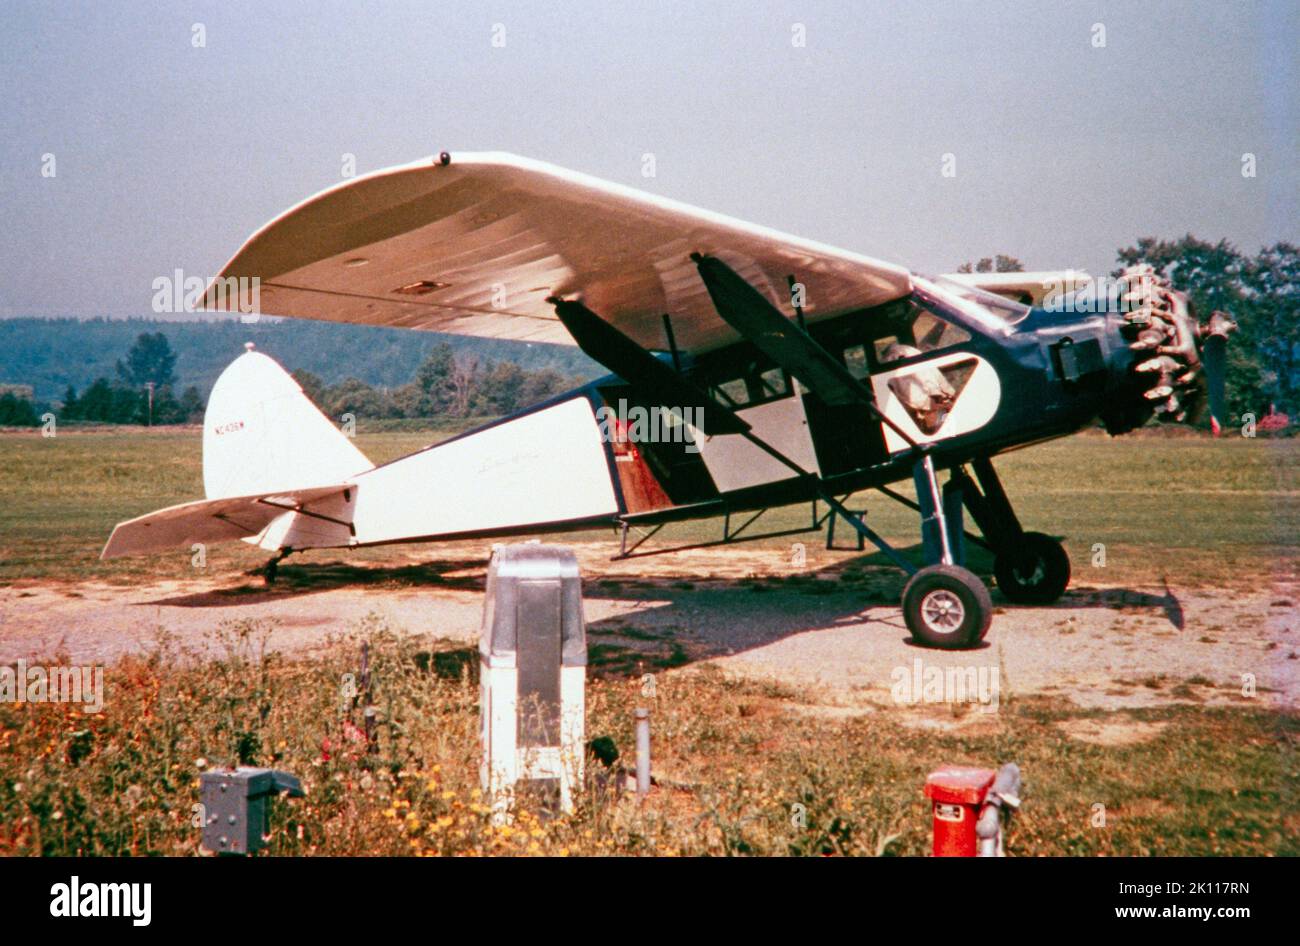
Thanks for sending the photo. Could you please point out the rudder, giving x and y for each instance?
(262, 434)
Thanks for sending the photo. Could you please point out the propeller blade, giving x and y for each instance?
(1214, 358)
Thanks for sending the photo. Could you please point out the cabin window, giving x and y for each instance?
(855, 359)
(772, 384)
(733, 393)
(933, 333)
(754, 386)
(909, 330)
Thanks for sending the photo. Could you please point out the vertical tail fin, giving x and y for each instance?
(262, 434)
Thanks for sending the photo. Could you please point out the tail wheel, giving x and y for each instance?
(947, 606)
(1035, 571)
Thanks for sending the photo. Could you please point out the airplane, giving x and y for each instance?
(750, 369)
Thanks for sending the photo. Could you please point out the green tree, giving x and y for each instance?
(17, 411)
(499, 389)
(190, 406)
(407, 400)
(311, 385)
(437, 380)
(540, 385)
(1272, 281)
(997, 264)
(354, 397)
(129, 406)
(71, 409)
(1211, 273)
(149, 360)
(97, 401)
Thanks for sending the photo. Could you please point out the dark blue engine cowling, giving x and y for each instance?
(1088, 365)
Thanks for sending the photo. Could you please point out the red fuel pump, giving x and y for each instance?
(967, 808)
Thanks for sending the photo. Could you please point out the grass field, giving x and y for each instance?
(744, 767)
(1194, 510)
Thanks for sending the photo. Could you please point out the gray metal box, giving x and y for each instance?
(532, 584)
(534, 609)
(236, 806)
(532, 684)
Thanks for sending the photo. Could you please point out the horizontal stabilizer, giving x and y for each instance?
(219, 520)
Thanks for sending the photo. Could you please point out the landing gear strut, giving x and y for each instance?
(1030, 567)
(944, 604)
(272, 568)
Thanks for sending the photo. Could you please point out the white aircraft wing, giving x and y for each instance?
(209, 520)
(476, 245)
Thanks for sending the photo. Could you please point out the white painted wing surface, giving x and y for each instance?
(475, 247)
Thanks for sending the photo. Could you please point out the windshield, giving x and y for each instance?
(982, 303)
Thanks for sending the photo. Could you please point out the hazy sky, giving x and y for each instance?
(169, 155)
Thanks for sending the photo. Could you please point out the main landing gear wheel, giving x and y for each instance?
(1035, 571)
(947, 606)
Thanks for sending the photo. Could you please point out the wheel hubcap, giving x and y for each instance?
(1030, 572)
(942, 611)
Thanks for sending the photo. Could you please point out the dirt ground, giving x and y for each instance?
(832, 628)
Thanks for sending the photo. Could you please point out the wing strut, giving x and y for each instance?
(623, 356)
(657, 380)
(746, 310)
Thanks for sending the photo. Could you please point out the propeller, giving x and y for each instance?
(1186, 361)
(1214, 356)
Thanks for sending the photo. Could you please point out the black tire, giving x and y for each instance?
(947, 606)
(1035, 571)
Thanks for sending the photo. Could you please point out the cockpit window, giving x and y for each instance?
(907, 329)
(1006, 311)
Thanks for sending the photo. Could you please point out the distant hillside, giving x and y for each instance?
(50, 354)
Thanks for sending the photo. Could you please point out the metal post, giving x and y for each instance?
(1004, 793)
(642, 752)
(995, 499)
(934, 530)
(672, 342)
(369, 715)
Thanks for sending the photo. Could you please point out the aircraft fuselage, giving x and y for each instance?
(963, 380)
